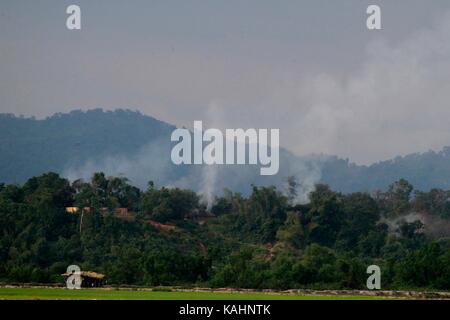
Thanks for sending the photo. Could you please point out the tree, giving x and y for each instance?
(412, 231)
(292, 185)
(398, 196)
(292, 231)
(326, 215)
(264, 212)
(360, 216)
(168, 204)
(436, 202)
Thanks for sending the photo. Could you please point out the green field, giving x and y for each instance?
(111, 294)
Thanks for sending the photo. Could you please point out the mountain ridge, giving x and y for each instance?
(77, 142)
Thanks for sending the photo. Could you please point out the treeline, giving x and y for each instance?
(264, 240)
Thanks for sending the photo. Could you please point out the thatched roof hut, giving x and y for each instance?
(89, 279)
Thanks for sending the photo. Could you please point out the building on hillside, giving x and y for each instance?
(118, 212)
(89, 279)
(121, 212)
(76, 209)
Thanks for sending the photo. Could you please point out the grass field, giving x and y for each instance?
(103, 294)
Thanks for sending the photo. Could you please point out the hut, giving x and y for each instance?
(76, 209)
(89, 279)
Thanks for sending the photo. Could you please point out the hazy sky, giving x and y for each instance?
(310, 68)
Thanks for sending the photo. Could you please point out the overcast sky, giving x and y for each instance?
(310, 68)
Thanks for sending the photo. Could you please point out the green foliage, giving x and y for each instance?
(259, 241)
(436, 202)
(169, 204)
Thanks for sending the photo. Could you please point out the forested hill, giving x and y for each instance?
(424, 170)
(30, 147)
(166, 236)
(125, 142)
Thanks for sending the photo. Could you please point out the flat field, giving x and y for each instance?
(122, 294)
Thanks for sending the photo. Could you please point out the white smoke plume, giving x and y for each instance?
(149, 163)
(434, 226)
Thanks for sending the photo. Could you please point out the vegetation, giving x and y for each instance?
(97, 294)
(264, 240)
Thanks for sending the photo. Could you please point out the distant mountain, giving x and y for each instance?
(120, 142)
(30, 147)
(138, 146)
(423, 170)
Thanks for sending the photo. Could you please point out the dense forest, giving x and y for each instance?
(263, 240)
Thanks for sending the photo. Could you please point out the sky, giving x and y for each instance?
(309, 68)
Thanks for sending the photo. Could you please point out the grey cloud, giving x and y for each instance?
(307, 67)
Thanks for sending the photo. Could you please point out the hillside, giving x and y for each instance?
(424, 170)
(30, 147)
(260, 241)
(124, 142)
